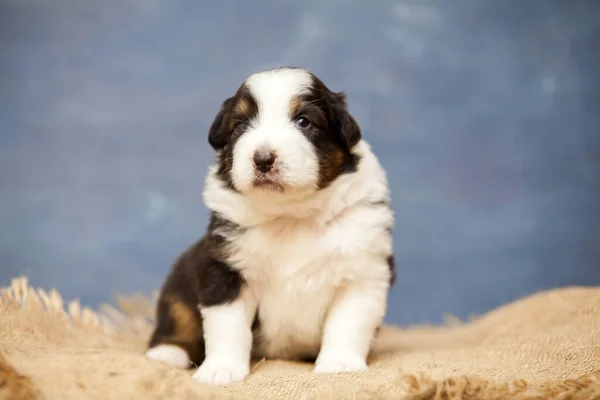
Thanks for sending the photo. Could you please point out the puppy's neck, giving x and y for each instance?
(262, 208)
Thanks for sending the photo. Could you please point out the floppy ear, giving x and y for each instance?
(218, 134)
(349, 129)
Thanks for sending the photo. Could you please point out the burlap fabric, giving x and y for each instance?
(544, 346)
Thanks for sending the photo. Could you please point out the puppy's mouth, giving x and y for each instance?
(268, 181)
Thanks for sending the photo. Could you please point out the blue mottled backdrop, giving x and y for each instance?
(485, 113)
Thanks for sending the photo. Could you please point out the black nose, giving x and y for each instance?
(264, 160)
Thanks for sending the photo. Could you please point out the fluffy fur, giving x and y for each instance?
(297, 259)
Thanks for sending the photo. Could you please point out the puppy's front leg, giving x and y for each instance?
(228, 340)
(356, 312)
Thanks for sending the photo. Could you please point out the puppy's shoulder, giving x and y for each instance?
(203, 267)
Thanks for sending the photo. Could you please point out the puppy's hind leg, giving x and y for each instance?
(177, 338)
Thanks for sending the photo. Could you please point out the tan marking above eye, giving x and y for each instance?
(296, 104)
(242, 106)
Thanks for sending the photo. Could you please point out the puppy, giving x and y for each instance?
(297, 259)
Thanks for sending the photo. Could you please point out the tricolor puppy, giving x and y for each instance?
(297, 259)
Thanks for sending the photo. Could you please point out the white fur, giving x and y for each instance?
(314, 261)
(273, 129)
(347, 334)
(169, 354)
(228, 341)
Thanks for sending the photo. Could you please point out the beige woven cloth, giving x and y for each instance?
(543, 346)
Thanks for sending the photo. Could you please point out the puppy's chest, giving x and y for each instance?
(293, 273)
(290, 314)
(285, 249)
(289, 248)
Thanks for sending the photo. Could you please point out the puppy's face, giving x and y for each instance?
(284, 131)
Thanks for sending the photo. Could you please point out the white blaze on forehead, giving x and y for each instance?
(273, 90)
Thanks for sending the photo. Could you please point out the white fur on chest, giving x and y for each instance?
(291, 312)
(293, 268)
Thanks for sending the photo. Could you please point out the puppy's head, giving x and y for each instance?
(284, 131)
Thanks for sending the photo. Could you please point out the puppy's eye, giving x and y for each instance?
(239, 126)
(302, 122)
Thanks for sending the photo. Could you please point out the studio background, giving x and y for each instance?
(486, 115)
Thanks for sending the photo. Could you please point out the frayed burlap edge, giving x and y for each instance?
(135, 315)
(464, 387)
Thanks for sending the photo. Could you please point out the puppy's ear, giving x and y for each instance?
(349, 129)
(218, 133)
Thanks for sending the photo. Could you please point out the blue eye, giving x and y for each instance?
(302, 123)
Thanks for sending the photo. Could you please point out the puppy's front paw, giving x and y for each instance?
(339, 363)
(221, 372)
